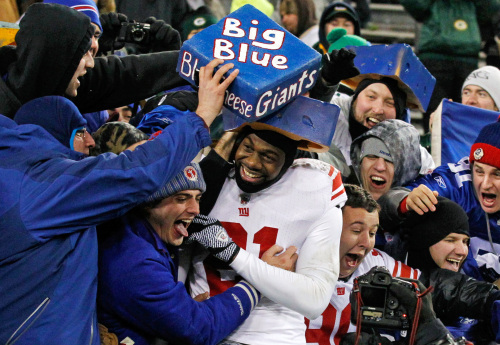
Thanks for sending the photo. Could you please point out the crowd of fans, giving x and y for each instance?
(130, 217)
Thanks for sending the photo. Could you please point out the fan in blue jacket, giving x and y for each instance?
(52, 199)
(139, 296)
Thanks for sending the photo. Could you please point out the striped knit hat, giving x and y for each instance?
(486, 148)
(190, 177)
(87, 7)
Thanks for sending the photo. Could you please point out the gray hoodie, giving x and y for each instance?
(403, 142)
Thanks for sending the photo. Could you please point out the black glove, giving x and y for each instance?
(364, 339)
(408, 299)
(163, 36)
(111, 24)
(338, 65)
(210, 233)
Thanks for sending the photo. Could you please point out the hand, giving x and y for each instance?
(421, 200)
(408, 298)
(285, 260)
(212, 90)
(164, 37)
(111, 24)
(339, 65)
(202, 297)
(210, 233)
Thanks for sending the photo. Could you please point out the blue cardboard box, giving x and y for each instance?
(309, 121)
(397, 61)
(275, 66)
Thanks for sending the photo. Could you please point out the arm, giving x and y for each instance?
(309, 290)
(116, 81)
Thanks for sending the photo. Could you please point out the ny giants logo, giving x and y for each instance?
(244, 211)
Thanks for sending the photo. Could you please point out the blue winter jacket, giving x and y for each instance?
(50, 205)
(139, 296)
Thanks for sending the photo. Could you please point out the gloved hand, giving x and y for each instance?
(164, 37)
(364, 339)
(111, 24)
(408, 299)
(338, 65)
(210, 233)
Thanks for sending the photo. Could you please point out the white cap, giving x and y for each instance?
(488, 78)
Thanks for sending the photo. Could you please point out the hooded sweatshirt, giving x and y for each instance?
(46, 56)
(56, 114)
(403, 142)
(50, 44)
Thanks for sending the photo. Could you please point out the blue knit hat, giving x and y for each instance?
(87, 7)
(190, 177)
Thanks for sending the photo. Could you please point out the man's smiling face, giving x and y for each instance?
(373, 105)
(377, 175)
(258, 161)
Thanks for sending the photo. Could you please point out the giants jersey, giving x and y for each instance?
(335, 321)
(302, 209)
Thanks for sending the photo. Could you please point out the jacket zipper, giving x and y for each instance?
(35, 315)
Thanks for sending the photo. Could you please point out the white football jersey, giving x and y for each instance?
(335, 321)
(303, 210)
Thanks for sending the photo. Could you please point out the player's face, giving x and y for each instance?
(486, 180)
(95, 44)
(258, 161)
(377, 175)
(358, 237)
(478, 97)
(373, 105)
(172, 216)
(451, 251)
(340, 22)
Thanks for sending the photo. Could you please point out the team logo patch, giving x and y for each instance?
(440, 181)
(340, 291)
(127, 341)
(199, 21)
(244, 211)
(460, 25)
(191, 173)
(478, 154)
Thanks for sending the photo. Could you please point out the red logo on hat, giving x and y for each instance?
(190, 173)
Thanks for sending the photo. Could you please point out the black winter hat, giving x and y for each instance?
(343, 9)
(398, 94)
(430, 228)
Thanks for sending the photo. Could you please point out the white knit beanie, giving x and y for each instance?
(488, 78)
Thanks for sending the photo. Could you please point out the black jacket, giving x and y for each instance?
(47, 56)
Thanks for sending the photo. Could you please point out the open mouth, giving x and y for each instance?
(250, 176)
(371, 121)
(181, 226)
(352, 259)
(489, 199)
(377, 181)
(454, 264)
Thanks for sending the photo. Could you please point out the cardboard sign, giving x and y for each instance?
(307, 120)
(275, 66)
(399, 62)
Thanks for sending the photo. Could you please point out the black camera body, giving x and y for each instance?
(380, 308)
(132, 32)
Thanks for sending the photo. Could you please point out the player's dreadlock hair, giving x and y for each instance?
(357, 197)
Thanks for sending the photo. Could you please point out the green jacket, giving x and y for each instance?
(450, 28)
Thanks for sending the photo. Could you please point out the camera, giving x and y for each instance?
(380, 308)
(132, 32)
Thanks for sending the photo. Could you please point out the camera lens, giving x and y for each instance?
(138, 34)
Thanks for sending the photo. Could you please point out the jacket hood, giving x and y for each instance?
(51, 41)
(403, 142)
(329, 12)
(56, 114)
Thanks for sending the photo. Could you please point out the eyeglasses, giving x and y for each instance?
(81, 133)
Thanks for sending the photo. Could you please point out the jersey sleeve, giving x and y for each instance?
(397, 268)
(308, 289)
